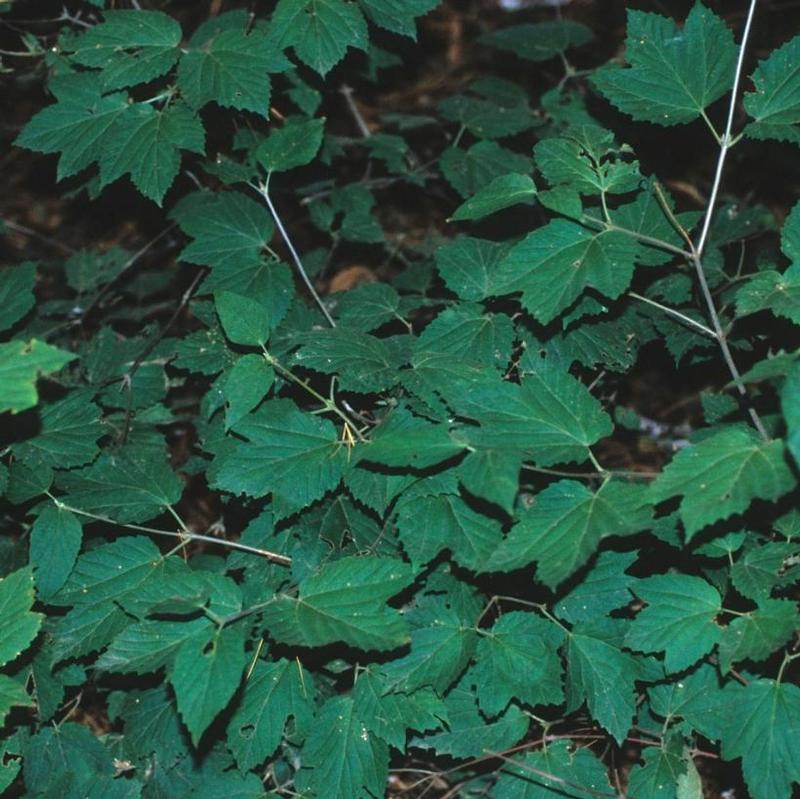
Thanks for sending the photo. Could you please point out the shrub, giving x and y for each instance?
(276, 539)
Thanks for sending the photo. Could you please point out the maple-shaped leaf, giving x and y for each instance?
(538, 42)
(274, 692)
(205, 675)
(721, 475)
(230, 68)
(550, 417)
(556, 263)
(679, 619)
(147, 146)
(319, 31)
(556, 769)
(674, 73)
(602, 675)
(229, 230)
(344, 601)
(565, 524)
(770, 290)
(775, 104)
(341, 758)
(130, 46)
(586, 160)
(517, 659)
(764, 730)
(758, 633)
(397, 16)
(78, 126)
(390, 714)
(293, 455)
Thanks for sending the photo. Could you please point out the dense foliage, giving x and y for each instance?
(430, 546)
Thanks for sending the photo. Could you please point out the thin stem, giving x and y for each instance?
(183, 533)
(328, 404)
(725, 141)
(787, 659)
(698, 248)
(710, 126)
(707, 331)
(591, 475)
(680, 229)
(361, 124)
(35, 234)
(263, 190)
(645, 239)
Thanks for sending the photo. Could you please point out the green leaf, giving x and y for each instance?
(764, 730)
(273, 693)
(206, 674)
(556, 263)
(602, 675)
(68, 435)
(438, 655)
(772, 291)
(292, 145)
(586, 161)
(658, 777)
(556, 769)
(146, 145)
(790, 405)
(149, 645)
(229, 230)
(679, 619)
(674, 73)
(406, 440)
(469, 733)
(468, 266)
(245, 384)
(470, 332)
(86, 629)
(341, 759)
(320, 31)
(565, 525)
(550, 417)
(759, 633)
(721, 475)
(18, 624)
(16, 293)
(502, 192)
(130, 46)
(292, 455)
(538, 42)
(430, 524)
(79, 125)
(56, 538)
(20, 364)
(493, 475)
(397, 15)
(390, 714)
(604, 588)
(12, 694)
(774, 105)
(112, 572)
(468, 171)
(344, 601)
(364, 363)
(130, 485)
(244, 320)
(517, 659)
(230, 69)
(764, 568)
